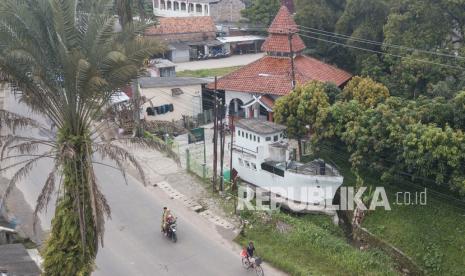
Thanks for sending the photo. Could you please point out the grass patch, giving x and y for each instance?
(312, 246)
(203, 73)
(432, 235)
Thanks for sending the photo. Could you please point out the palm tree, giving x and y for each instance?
(67, 61)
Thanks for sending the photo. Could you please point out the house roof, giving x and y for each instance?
(281, 27)
(283, 22)
(280, 43)
(16, 261)
(260, 126)
(155, 82)
(272, 75)
(182, 25)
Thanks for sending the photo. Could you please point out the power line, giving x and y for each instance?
(375, 51)
(384, 53)
(373, 42)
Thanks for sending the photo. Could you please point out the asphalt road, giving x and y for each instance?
(133, 242)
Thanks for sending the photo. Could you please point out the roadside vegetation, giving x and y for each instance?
(310, 245)
(204, 73)
(432, 235)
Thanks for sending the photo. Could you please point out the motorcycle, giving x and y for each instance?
(171, 232)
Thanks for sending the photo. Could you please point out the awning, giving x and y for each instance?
(243, 38)
(267, 103)
(119, 97)
(211, 43)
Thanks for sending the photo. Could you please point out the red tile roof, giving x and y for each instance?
(182, 25)
(283, 22)
(278, 40)
(280, 43)
(272, 75)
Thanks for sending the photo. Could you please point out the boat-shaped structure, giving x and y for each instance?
(262, 157)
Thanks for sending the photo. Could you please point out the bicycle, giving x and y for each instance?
(255, 265)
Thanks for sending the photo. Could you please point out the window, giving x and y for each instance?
(247, 164)
(258, 138)
(238, 133)
(275, 138)
(281, 135)
(254, 167)
(255, 138)
(240, 162)
(242, 134)
(268, 139)
(247, 136)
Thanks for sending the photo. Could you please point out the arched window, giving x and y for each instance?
(170, 7)
(198, 8)
(176, 6)
(183, 6)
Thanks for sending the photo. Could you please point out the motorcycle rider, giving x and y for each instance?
(164, 216)
(167, 219)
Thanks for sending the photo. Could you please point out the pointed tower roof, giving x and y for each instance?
(278, 41)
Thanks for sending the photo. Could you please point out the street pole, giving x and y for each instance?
(231, 151)
(222, 140)
(215, 136)
(291, 34)
(204, 157)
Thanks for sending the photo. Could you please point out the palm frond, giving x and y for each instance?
(45, 195)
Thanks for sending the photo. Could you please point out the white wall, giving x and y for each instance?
(250, 140)
(244, 97)
(189, 103)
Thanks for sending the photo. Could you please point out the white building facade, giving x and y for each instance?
(175, 8)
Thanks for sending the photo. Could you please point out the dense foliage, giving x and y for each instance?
(261, 12)
(426, 33)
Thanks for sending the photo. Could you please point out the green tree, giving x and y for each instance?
(68, 61)
(362, 19)
(366, 91)
(321, 15)
(435, 26)
(261, 12)
(303, 111)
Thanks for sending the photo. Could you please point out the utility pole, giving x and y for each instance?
(215, 136)
(222, 141)
(231, 150)
(291, 34)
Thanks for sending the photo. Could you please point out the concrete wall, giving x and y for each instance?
(189, 103)
(227, 10)
(180, 56)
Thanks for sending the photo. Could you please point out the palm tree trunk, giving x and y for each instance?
(68, 252)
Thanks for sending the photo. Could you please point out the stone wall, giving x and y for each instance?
(227, 10)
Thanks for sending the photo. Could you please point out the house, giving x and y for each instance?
(173, 8)
(242, 44)
(15, 260)
(219, 10)
(262, 157)
(227, 11)
(161, 68)
(251, 91)
(194, 34)
(171, 98)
